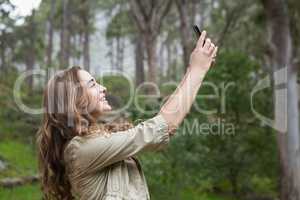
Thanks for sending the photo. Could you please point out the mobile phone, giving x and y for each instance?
(197, 31)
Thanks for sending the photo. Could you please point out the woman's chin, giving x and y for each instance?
(107, 108)
(103, 107)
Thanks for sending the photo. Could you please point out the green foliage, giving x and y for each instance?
(237, 154)
(116, 27)
(118, 88)
(263, 185)
(20, 125)
(198, 164)
(208, 161)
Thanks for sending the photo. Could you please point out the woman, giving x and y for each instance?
(78, 159)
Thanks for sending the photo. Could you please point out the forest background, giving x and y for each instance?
(241, 137)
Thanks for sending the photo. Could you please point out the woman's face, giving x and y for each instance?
(96, 92)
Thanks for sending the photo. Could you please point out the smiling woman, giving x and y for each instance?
(79, 159)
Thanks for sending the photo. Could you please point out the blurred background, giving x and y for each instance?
(125, 44)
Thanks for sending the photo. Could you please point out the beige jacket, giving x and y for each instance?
(102, 167)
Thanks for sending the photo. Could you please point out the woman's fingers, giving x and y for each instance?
(201, 40)
(214, 53)
(207, 45)
(211, 48)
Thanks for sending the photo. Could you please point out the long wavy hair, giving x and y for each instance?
(66, 115)
(64, 100)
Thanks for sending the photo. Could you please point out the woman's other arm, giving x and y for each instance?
(180, 102)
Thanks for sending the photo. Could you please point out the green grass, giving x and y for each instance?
(32, 192)
(20, 157)
(27, 192)
(194, 194)
(22, 162)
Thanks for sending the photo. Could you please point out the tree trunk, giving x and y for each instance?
(233, 178)
(148, 16)
(151, 57)
(29, 62)
(111, 53)
(286, 110)
(186, 23)
(86, 50)
(50, 39)
(3, 50)
(119, 56)
(65, 37)
(175, 68)
(78, 43)
(121, 52)
(172, 71)
(30, 58)
(86, 44)
(139, 61)
(169, 59)
(162, 58)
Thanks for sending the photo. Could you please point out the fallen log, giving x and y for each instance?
(14, 182)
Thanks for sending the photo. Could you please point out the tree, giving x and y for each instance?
(116, 35)
(31, 52)
(187, 15)
(148, 16)
(50, 37)
(65, 35)
(86, 18)
(119, 29)
(280, 56)
(7, 39)
(139, 61)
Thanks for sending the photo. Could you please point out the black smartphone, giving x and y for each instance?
(197, 31)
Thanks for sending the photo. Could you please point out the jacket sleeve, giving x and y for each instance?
(97, 152)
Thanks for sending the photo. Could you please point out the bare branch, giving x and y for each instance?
(161, 13)
(137, 15)
(231, 20)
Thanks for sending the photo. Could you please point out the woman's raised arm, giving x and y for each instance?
(180, 102)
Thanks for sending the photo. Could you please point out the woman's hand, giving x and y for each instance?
(204, 53)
